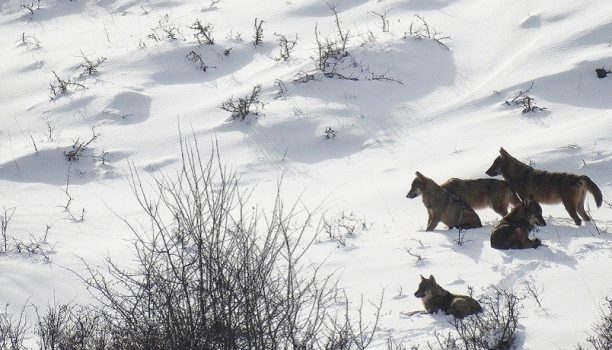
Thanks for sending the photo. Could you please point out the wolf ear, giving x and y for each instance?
(503, 152)
(419, 175)
(431, 278)
(422, 278)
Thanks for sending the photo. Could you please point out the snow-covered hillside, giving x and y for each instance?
(425, 94)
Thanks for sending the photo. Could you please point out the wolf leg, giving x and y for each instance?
(570, 206)
(580, 207)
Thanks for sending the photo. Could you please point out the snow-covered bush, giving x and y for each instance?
(601, 338)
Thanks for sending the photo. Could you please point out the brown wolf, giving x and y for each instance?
(547, 187)
(436, 298)
(442, 205)
(512, 232)
(483, 193)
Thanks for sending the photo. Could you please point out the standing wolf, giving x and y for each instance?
(442, 205)
(483, 193)
(512, 232)
(436, 298)
(547, 187)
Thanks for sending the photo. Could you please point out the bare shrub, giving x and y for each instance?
(493, 329)
(525, 102)
(62, 86)
(210, 275)
(286, 46)
(203, 33)
(13, 330)
(90, 67)
(164, 30)
(30, 41)
(601, 336)
(420, 30)
(5, 220)
(258, 32)
(331, 52)
(197, 59)
(79, 147)
(241, 108)
(32, 6)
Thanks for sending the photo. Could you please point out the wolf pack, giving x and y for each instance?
(523, 188)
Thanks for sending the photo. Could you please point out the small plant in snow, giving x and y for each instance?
(329, 133)
(5, 220)
(344, 226)
(30, 41)
(493, 329)
(61, 86)
(258, 32)
(164, 30)
(13, 329)
(241, 108)
(90, 67)
(421, 30)
(384, 21)
(286, 46)
(196, 58)
(526, 102)
(33, 5)
(80, 147)
(601, 338)
(203, 33)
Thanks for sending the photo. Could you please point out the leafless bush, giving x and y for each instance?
(5, 220)
(258, 32)
(493, 329)
(196, 58)
(421, 30)
(79, 147)
(332, 51)
(384, 21)
(203, 33)
(329, 133)
(286, 46)
(241, 108)
(526, 102)
(30, 41)
(164, 30)
(33, 5)
(91, 67)
(343, 227)
(13, 330)
(61, 86)
(601, 338)
(210, 275)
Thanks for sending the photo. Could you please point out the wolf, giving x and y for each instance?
(436, 298)
(512, 231)
(483, 193)
(547, 187)
(442, 205)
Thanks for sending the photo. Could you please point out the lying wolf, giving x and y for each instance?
(483, 193)
(442, 205)
(436, 298)
(512, 232)
(547, 187)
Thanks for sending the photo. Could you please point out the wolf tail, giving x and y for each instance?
(595, 191)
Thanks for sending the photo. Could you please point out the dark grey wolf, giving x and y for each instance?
(483, 193)
(436, 298)
(547, 187)
(442, 205)
(512, 232)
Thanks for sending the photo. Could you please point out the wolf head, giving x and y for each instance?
(426, 287)
(498, 164)
(533, 210)
(417, 186)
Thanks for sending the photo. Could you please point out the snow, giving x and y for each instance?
(447, 119)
